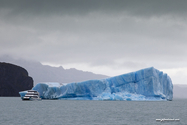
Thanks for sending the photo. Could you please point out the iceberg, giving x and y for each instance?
(145, 84)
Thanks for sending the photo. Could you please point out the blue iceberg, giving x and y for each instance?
(145, 84)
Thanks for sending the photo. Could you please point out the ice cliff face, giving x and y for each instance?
(145, 84)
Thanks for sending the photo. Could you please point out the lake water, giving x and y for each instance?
(14, 111)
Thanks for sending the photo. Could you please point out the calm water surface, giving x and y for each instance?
(14, 111)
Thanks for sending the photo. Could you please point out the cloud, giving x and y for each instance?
(115, 35)
(82, 7)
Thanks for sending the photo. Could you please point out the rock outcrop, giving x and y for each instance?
(13, 79)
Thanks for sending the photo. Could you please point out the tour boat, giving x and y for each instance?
(32, 95)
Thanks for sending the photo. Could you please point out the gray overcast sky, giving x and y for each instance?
(108, 37)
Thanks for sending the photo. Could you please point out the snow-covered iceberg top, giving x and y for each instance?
(145, 84)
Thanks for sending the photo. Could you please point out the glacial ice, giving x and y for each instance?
(145, 84)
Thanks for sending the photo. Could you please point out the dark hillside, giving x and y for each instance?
(13, 79)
